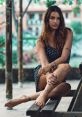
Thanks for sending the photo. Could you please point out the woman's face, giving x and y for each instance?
(54, 20)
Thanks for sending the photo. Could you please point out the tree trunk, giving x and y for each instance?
(8, 68)
(20, 66)
(15, 22)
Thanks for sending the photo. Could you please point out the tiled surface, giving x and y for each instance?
(20, 110)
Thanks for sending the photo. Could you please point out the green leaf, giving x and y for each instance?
(50, 3)
(65, 1)
(70, 2)
(36, 1)
(1, 1)
(76, 9)
(79, 2)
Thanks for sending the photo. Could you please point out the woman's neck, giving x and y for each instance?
(51, 39)
(52, 36)
(52, 33)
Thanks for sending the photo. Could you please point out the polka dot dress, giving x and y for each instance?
(52, 54)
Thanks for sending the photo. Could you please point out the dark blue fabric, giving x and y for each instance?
(52, 54)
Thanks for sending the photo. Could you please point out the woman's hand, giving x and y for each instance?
(48, 68)
(44, 70)
(53, 67)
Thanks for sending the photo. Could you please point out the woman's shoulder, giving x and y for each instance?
(40, 42)
(69, 31)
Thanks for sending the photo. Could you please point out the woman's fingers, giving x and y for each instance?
(41, 71)
(44, 70)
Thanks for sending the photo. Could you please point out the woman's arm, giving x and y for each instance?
(41, 53)
(49, 67)
(66, 50)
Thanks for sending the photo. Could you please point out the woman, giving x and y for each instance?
(53, 50)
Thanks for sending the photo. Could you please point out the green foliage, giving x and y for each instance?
(28, 44)
(79, 2)
(50, 3)
(14, 57)
(77, 31)
(2, 50)
(1, 1)
(64, 1)
(2, 58)
(76, 9)
(2, 41)
(36, 1)
(70, 2)
(77, 27)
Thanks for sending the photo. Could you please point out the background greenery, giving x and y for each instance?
(29, 43)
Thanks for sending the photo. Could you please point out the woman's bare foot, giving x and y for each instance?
(14, 102)
(41, 100)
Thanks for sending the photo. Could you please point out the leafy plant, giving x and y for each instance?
(2, 50)
(76, 9)
(1, 1)
(50, 3)
(77, 31)
(77, 27)
(70, 2)
(14, 57)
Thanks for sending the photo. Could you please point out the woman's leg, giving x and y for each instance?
(61, 90)
(54, 79)
(22, 99)
(42, 82)
(61, 72)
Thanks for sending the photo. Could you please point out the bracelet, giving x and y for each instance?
(53, 67)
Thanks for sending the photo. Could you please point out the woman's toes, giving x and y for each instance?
(40, 103)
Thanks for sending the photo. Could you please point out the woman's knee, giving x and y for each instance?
(65, 66)
(66, 86)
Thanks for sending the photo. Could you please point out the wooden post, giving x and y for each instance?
(80, 67)
(8, 68)
(20, 66)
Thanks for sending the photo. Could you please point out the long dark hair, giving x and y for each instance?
(60, 34)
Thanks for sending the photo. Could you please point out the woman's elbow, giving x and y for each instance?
(64, 59)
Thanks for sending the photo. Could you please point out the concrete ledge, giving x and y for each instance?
(28, 74)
